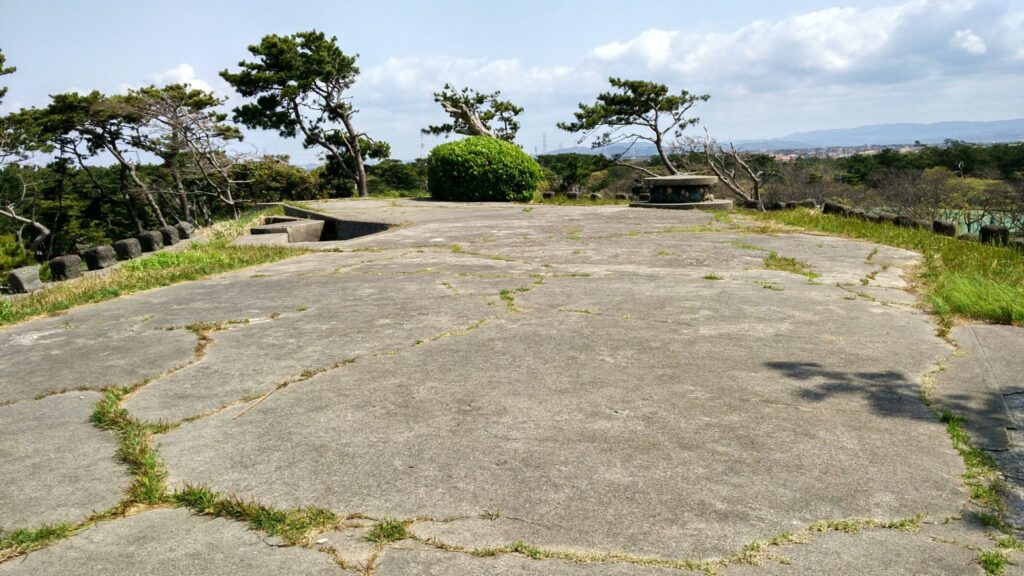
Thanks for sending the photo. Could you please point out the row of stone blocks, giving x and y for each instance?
(996, 234)
(593, 196)
(69, 267)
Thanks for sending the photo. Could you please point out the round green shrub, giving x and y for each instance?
(481, 169)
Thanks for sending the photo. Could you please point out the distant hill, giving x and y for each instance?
(875, 135)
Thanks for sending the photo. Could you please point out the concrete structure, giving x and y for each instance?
(682, 192)
(66, 267)
(151, 240)
(24, 280)
(631, 388)
(100, 257)
(127, 249)
(169, 235)
(185, 230)
(297, 230)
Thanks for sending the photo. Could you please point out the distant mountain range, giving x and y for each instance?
(901, 134)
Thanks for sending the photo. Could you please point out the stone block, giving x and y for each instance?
(944, 228)
(150, 240)
(622, 196)
(185, 230)
(595, 196)
(809, 203)
(170, 235)
(1017, 244)
(968, 237)
(908, 222)
(777, 206)
(66, 267)
(572, 195)
(858, 213)
(831, 207)
(127, 249)
(886, 217)
(547, 195)
(994, 234)
(645, 197)
(100, 257)
(24, 280)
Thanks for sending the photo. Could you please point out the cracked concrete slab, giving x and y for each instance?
(169, 543)
(869, 552)
(607, 430)
(988, 366)
(610, 380)
(56, 466)
(401, 562)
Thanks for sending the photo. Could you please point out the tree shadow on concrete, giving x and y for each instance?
(891, 394)
(888, 393)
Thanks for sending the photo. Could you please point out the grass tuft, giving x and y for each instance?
(981, 474)
(993, 562)
(296, 527)
(388, 530)
(26, 540)
(785, 264)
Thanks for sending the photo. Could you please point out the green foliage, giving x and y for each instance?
(572, 169)
(398, 175)
(300, 84)
(636, 110)
(4, 72)
(467, 105)
(13, 255)
(481, 169)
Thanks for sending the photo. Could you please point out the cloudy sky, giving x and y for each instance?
(772, 67)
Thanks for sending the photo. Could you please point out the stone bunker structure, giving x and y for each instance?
(681, 192)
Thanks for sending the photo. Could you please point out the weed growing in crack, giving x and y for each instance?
(508, 296)
(785, 264)
(769, 286)
(712, 277)
(993, 562)
(981, 474)
(26, 540)
(296, 527)
(133, 448)
(490, 514)
(388, 530)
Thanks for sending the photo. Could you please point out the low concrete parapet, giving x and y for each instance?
(185, 230)
(994, 234)
(944, 228)
(297, 230)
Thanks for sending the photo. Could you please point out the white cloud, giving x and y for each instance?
(969, 42)
(181, 74)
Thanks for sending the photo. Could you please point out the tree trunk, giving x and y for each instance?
(357, 155)
(664, 157)
(138, 182)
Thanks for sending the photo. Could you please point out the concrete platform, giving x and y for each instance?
(296, 229)
(588, 380)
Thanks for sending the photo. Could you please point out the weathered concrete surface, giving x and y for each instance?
(54, 465)
(169, 543)
(989, 366)
(870, 552)
(609, 380)
(403, 562)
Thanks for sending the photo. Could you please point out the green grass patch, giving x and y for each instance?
(993, 562)
(296, 527)
(785, 264)
(154, 271)
(712, 277)
(388, 530)
(26, 540)
(961, 279)
(562, 200)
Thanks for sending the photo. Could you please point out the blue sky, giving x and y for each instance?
(772, 67)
